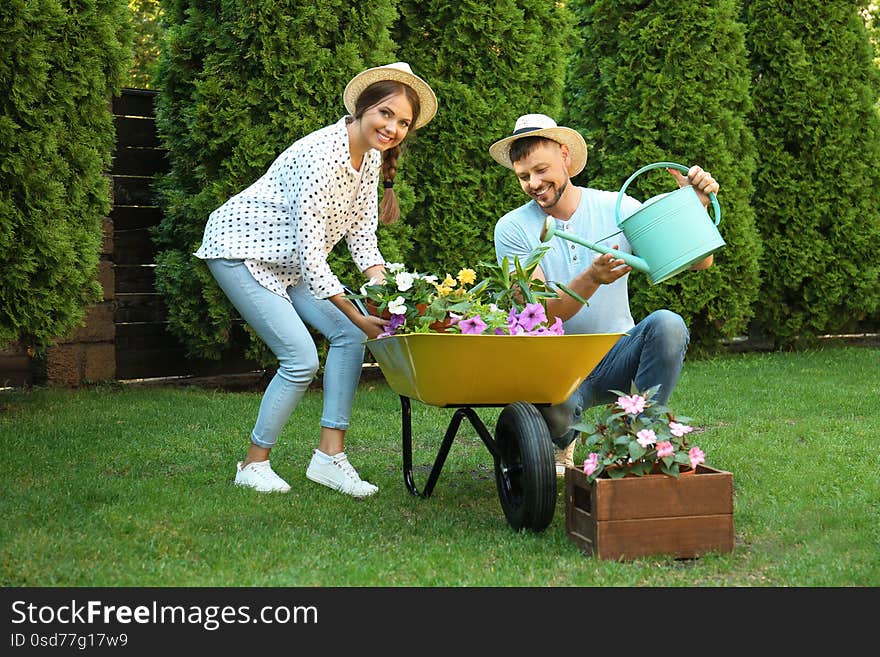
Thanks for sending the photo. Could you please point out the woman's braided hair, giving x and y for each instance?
(389, 211)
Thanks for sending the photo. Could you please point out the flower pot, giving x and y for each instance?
(635, 517)
(439, 327)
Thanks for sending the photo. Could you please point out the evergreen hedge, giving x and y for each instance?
(241, 81)
(643, 82)
(488, 63)
(669, 81)
(817, 189)
(61, 64)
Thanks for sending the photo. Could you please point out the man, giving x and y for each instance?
(545, 157)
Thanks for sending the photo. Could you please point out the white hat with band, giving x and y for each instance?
(541, 125)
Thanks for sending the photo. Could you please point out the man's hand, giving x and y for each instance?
(703, 182)
(606, 268)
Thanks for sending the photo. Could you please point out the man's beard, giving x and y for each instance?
(556, 196)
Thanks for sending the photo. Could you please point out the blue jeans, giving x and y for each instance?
(280, 323)
(652, 353)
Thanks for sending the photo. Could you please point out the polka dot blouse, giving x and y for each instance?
(285, 224)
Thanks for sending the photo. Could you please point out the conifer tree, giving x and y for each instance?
(817, 185)
(489, 63)
(62, 62)
(669, 81)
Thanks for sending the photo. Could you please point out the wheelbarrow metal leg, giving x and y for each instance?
(445, 446)
(406, 432)
(482, 431)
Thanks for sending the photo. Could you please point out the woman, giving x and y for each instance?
(267, 248)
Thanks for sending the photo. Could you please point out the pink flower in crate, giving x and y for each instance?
(591, 464)
(632, 404)
(646, 437)
(665, 448)
(679, 430)
(696, 456)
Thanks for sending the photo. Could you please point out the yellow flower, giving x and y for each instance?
(443, 290)
(448, 281)
(467, 276)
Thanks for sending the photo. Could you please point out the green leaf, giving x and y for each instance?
(584, 427)
(533, 259)
(505, 271)
(636, 451)
(571, 293)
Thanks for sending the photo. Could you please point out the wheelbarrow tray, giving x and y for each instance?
(454, 369)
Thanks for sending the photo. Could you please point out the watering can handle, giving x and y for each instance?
(657, 165)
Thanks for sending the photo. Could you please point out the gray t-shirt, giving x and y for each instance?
(519, 231)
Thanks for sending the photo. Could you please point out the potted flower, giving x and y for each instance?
(635, 435)
(629, 498)
(399, 292)
(506, 301)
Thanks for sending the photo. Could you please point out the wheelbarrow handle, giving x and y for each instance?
(357, 302)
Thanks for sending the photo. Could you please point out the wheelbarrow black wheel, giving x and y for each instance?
(524, 470)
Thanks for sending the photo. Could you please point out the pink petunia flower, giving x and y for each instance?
(591, 464)
(473, 325)
(677, 429)
(532, 315)
(664, 449)
(646, 437)
(632, 404)
(696, 456)
(556, 328)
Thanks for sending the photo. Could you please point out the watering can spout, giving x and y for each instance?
(549, 232)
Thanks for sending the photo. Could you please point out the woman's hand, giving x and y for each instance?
(371, 326)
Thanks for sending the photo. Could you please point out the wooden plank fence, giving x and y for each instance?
(126, 335)
(144, 346)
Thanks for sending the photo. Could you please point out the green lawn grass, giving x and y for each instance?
(131, 486)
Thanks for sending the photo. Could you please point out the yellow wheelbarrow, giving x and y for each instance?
(516, 372)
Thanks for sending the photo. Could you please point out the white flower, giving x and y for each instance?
(397, 307)
(394, 266)
(375, 280)
(430, 278)
(404, 280)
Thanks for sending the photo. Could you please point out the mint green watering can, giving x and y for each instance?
(670, 232)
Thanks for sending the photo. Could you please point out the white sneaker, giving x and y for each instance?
(260, 476)
(564, 458)
(339, 475)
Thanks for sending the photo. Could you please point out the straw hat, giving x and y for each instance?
(400, 72)
(541, 125)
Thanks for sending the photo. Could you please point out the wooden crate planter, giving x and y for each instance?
(654, 514)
